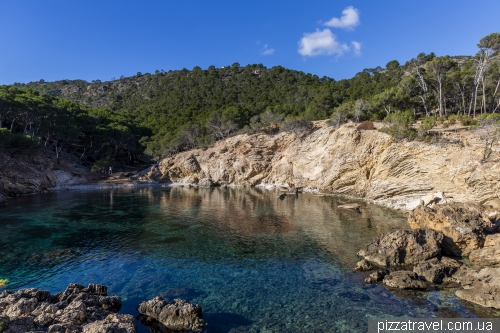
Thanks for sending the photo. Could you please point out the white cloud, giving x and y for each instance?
(266, 50)
(319, 43)
(348, 20)
(356, 48)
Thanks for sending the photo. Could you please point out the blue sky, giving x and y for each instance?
(97, 39)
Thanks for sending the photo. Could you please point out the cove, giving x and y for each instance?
(254, 263)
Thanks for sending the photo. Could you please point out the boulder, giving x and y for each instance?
(463, 225)
(403, 247)
(363, 265)
(487, 256)
(433, 270)
(178, 315)
(480, 286)
(375, 277)
(404, 280)
(77, 309)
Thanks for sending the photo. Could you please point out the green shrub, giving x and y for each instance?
(296, 125)
(339, 116)
(467, 120)
(427, 124)
(399, 125)
(453, 119)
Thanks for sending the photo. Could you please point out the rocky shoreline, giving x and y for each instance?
(80, 309)
(432, 253)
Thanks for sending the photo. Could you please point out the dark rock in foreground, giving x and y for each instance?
(403, 247)
(164, 317)
(75, 310)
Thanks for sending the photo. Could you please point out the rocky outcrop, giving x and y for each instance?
(366, 164)
(363, 265)
(403, 247)
(463, 225)
(37, 173)
(179, 315)
(492, 240)
(480, 286)
(375, 277)
(77, 309)
(206, 182)
(404, 280)
(487, 256)
(435, 270)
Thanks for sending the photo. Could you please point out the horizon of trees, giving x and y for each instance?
(168, 112)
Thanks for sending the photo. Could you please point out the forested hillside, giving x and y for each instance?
(172, 111)
(30, 122)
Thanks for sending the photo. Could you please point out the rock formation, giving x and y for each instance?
(162, 316)
(366, 164)
(77, 309)
(435, 270)
(480, 286)
(463, 225)
(403, 247)
(404, 280)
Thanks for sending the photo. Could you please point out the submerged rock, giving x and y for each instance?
(353, 206)
(463, 225)
(77, 309)
(403, 247)
(179, 315)
(404, 280)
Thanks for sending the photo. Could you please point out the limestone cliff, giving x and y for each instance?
(365, 164)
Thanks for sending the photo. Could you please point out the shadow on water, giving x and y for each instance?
(252, 261)
(226, 322)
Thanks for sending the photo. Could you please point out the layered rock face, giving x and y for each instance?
(367, 164)
(76, 310)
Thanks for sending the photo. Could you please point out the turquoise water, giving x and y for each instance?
(254, 263)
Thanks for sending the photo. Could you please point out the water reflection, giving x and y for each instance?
(254, 262)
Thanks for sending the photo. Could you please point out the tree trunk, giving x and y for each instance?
(490, 109)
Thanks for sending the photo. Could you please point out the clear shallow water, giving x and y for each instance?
(253, 262)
